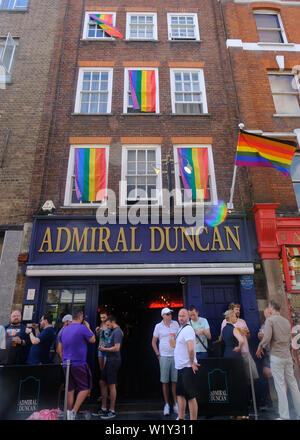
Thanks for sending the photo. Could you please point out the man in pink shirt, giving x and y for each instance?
(243, 329)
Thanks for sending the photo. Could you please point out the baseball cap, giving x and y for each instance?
(67, 318)
(165, 310)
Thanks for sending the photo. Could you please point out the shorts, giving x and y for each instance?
(266, 361)
(167, 369)
(110, 371)
(187, 383)
(101, 354)
(80, 377)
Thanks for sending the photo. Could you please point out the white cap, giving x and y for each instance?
(67, 318)
(165, 310)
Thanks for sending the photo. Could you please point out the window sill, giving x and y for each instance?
(92, 114)
(192, 114)
(13, 11)
(185, 41)
(107, 40)
(141, 114)
(288, 115)
(81, 206)
(151, 40)
(261, 43)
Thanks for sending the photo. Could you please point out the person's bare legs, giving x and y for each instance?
(165, 389)
(112, 396)
(70, 399)
(193, 408)
(174, 393)
(181, 406)
(81, 396)
(103, 393)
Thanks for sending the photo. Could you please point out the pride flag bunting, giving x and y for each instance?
(143, 90)
(105, 22)
(90, 174)
(196, 159)
(260, 151)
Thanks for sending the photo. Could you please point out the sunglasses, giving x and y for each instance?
(168, 314)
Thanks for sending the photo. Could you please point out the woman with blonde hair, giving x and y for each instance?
(231, 336)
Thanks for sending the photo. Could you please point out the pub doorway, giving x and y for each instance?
(137, 308)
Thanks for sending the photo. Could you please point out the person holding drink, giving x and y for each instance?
(15, 341)
(165, 332)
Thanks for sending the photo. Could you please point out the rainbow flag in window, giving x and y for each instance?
(90, 174)
(254, 150)
(105, 22)
(193, 167)
(143, 90)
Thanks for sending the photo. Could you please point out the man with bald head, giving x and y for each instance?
(16, 341)
(187, 366)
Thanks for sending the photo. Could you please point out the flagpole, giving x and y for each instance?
(230, 203)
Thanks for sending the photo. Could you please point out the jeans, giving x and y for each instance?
(283, 372)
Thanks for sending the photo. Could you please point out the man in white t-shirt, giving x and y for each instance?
(165, 332)
(187, 366)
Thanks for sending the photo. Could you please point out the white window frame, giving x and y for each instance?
(71, 176)
(126, 87)
(15, 6)
(296, 93)
(196, 24)
(81, 72)
(211, 175)
(280, 29)
(146, 14)
(123, 186)
(202, 89)
(86, 27)
(6, 71)
(294, 180)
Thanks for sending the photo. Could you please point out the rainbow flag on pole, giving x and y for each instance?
(196, 159)
(105, 21)
(90, 174)
(143, 90)
(260, 151)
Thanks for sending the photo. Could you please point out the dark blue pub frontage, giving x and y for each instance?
(136, 270)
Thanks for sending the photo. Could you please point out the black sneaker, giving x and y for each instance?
(100, 413)
(109, 415)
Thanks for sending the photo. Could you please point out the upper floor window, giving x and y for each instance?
(194, 174)
(94, 90)
(183, 27)
(285, 91)
(7, 53)
(141, 90)
(141, 26)
(13, 4)
(188, 91)
(87, 175)
(94, 31)
(269, 27)
(141, 181)
(295, 176)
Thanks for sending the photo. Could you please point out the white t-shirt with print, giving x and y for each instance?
(165, 335)
(181, 354)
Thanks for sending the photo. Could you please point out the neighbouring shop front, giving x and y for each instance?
(135, 271)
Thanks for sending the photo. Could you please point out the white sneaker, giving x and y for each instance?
(71, 414)
(166, 409)
(175, 408)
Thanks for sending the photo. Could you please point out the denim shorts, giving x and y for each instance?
(168, 371)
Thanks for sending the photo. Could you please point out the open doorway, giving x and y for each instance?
(137, 308)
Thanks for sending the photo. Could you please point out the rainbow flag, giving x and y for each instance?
(90, 174)
(143, 90)
(197, 159)
(105, 21)
(254, 150)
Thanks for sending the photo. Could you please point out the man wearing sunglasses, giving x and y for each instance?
(165, 332)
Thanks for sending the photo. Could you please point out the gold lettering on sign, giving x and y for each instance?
(217, 239)
(47, 240)
(133, 248)
(83, 239)
(235, 238)
(167, 230)
(93, 239)
(59, 235)
(190, 238)
(162, 238)
(121, 240)
(104, 240)
(198, 233)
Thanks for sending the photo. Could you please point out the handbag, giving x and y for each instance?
(210, 352)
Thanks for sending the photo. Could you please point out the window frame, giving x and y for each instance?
(126, 88)
(6, 77)
(86, 26)
(155, 31)
(81, 72)
(123, 186)
(211, 176)
(178, 14)
(297, 154)
(15, 7)
(296, 93)
(281, 29)
(71, 175)
(202, 89)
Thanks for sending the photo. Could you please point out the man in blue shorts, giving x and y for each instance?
(73, 346)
